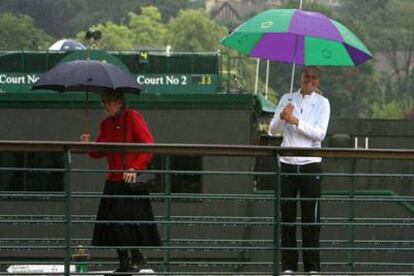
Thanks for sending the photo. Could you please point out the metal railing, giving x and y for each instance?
(237, 229)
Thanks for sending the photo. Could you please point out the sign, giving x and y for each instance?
(178, 84)
(152, 83)
(17, 82)
(143, 57)
(15, 269)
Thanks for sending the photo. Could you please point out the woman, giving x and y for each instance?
(303, 118)
(124, 125)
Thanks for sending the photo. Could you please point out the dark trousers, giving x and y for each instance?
(305, 187)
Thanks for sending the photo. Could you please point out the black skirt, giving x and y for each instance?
(125, 209)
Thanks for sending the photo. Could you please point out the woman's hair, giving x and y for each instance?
(113, 95)
(314, 69)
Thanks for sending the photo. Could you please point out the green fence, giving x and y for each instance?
(234, 230)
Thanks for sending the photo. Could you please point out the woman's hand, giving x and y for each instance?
(85, 138)
(130, 177)
(287, 115)
(287, 112)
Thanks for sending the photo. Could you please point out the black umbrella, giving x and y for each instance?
(87, 75)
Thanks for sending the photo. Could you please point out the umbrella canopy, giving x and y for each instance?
(299, 37)
(87, 75)
(67, 45)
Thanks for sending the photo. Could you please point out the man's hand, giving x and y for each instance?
(85, 138)
(130, 177)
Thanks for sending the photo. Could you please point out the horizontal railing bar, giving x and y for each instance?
(194, 172)
(214, 248)
(207, 218)
(228, 273)
(253, 196)
(210, 241)
(214, 223)
(195, 262)
(203, 149)
(233, 221)
(210, 196)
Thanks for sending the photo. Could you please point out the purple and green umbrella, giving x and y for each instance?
(298, 37)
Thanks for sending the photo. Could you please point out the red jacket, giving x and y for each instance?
(112, 131)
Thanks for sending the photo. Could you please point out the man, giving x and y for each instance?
(303, 117)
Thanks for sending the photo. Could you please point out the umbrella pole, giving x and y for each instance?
(292, 78)
(267, 79)
(87, 119)
(257, 76)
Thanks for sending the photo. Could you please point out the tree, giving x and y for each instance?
(393, 35)
(170, 8)
(144, 29)
(49, 15)
(362, 10)
(18, 32)
(392, 110)
(388, 27)
(64, 18)
(192, 30)
(351, 91)
(308, 6)
(114, 37)
(147, 27)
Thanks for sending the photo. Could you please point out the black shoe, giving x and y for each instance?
(136, 267)
(119, 271)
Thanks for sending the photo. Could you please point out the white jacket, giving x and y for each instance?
(313, 113)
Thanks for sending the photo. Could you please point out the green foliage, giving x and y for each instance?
(49, 15)
(192, 30)
(392, 110)
(170, 8)
(308, 6)
(187, 32)
(65, 18)
(114, 37)
(387, 26)
(362, 10)
(18, 32)
(147, 27)
(351, 90)
(391, 32)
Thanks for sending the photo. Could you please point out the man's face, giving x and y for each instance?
(310, 80)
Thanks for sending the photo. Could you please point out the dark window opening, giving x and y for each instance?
(180, 182)
(26, 180)
(266, 164)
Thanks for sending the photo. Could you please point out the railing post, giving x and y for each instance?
(228, 74)
(351, 220)
(167, 217)
(220, 85)
(276, 218)
(68, 211)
